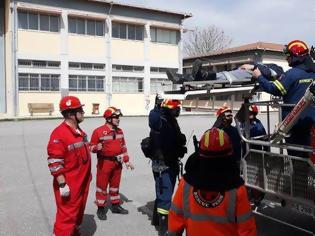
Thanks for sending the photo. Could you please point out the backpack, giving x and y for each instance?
(146, 147)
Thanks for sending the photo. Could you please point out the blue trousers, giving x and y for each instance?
(164, 188)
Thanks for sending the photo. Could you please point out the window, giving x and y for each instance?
(127, 31)
(36, 21)
(158, 85)
(86, 66)
(127, 85)
(23, 20)
(33, 21)
(44, 23)
(86, 26)
(38, 64)
(86, 83)
(161, 70)
(39, 82)
(164, 35)
(126, 68)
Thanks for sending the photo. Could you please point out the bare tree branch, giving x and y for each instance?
(202, 41)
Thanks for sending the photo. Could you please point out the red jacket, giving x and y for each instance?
(222, 214)
(69, 154)
(113, 142)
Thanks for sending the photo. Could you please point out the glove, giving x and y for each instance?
(64, 191)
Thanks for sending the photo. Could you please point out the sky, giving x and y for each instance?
(247, 21)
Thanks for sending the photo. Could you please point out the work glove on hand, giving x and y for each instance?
(64, 191)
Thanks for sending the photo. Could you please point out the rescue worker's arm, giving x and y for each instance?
(155, 123)
(245, 220)
(176, 220)
(95, 145)
(276, 87)
(56, 151)
(124, 156)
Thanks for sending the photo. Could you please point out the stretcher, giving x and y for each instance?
(273, 177)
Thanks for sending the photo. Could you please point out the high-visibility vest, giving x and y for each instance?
(227, 214)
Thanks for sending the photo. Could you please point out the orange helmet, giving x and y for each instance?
(215, 143)
(296, 48)
(253, 108)
(223, 109)
(69, 103)
(111, 111)
(171, 103)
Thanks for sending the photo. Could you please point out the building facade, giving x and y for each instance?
(106, 53)
(232, 58)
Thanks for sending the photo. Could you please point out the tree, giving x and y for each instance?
(204, 40)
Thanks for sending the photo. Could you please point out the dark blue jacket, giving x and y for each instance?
(291, 86)
(233, 134)
(167, 140)
(257, 128)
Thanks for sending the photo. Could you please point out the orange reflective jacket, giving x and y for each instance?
(211, 213)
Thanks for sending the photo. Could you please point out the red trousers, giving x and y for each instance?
(70, 210)
(108, 173)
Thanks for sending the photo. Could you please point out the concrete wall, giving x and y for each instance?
(127, 50)
(34, 42)
(86, 46)
(163, 54)
(2, 60)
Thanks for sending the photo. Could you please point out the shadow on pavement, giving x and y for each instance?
(88, 226)
(147, 209)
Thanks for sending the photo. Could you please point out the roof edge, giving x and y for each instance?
(246, 47)
(183, 14)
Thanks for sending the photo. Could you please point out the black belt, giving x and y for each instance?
(107, 158)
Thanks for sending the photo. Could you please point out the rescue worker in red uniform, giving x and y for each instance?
(211, 198)
(69, 162)
(109, 144)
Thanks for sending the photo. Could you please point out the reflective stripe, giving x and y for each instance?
(162, 211)
(221, 137)
(114, 197)
(75, 145)
(186, 199)
(99, 190)
(106, 138)
(54, 160)
(231, 205)
(56, 168)
(230, 218)
(177, 210)
(244, 217)
(304, 81)
(100, 201)
(280, 87)
(113, 189)
(207, 139)
(119, 136)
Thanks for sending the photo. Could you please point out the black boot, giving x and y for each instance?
(163, 223)
(118, 209)
(101, 213)
(155, 217)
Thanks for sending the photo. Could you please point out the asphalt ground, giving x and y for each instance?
(27, 205)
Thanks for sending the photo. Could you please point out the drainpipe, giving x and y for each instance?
(15, 84)
(109, 79)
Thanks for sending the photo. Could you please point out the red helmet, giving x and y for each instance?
(296, 48)
(253, 108)
(171, 103)
(69, 103)
(109, 112)
(223, 109)
(215, 143)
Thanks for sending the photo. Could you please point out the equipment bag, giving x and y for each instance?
(146, 147)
